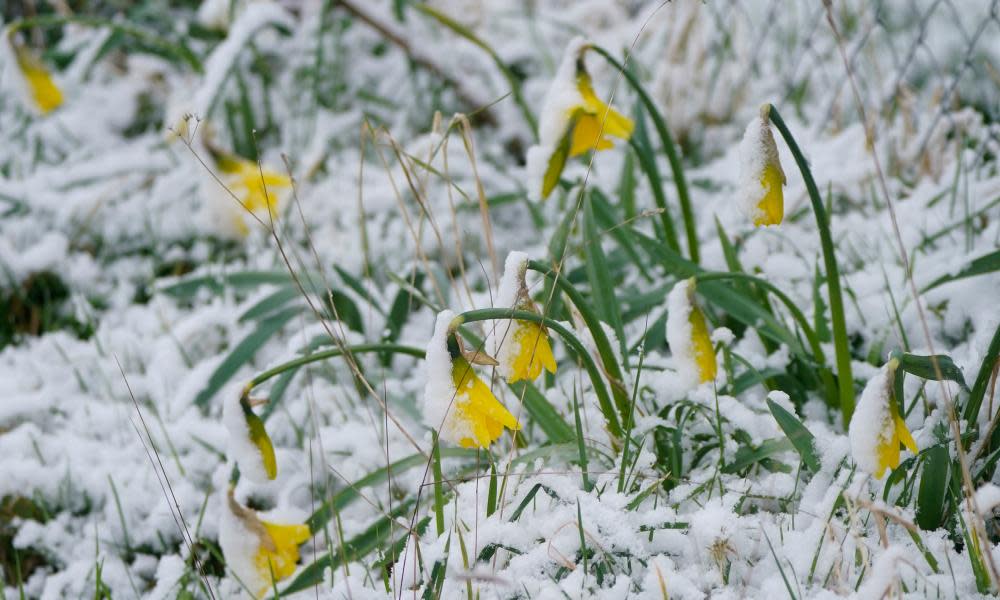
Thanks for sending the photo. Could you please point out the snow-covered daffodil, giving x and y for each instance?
(877, 429)
(688, 335)
(249, 443)
(521, 347)
(573, 121)
(456, 401)
(761, 176)
(40, 90)
(260, 553)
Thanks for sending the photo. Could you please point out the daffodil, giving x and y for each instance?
(877, 429)
(688, 335)
(521, 347)
(477, 409)
(248, 441)
(533, 352)
(256, 188)
(259, 553)
(761, 176)
(573, 121)
(456, 401)
(40, 89)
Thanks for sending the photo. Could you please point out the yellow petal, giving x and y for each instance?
(587, 136)
(701, 345)
(533, 352)
(888, 454)
(904, 435)
(772, 205)
(615, 123)
(476, 406)
(276, 560)
(259, 437)
(44, 92)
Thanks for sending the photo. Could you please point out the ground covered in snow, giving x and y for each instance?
(146, 312)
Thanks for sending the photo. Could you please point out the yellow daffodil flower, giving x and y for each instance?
(45, 94)
(260, 553)
(521, 347)
(761, 176)
(701, 345)
(877, 429)
(533, 352)
(256, 188)
(457, 402)
(477, 408)
(573, 120)
(688, 336)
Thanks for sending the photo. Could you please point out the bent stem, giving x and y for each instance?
(603, 399)
(332, 353)
(669, 148)
(590, 318)
(844, 378)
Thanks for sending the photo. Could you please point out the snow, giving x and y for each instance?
(439, 387)
(94, 194)
(239, 545)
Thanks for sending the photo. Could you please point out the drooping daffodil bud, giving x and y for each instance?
(573, 121)
(521, 348)
(249, 444)
(456, 401)
(761, 178)
(260, 553)
(688, 336)
(877, 428)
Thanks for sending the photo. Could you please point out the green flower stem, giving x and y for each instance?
(845, 379)
(604, 348)
(332, 353)
(797, 315)
(490, 314)
(668, 147)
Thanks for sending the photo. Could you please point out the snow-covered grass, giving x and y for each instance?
(157, 337)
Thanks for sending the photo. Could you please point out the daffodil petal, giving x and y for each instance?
(701, 345)
(771, 208)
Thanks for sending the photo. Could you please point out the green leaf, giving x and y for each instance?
(747, 456)
(931, 501)
(985, 373)
(402, 305)
(242, 353)
(542, 413)
(923, 366)
(602, 287)
(368, 541)
(797, 433)
(355, 284)
(982, 265)
(342, 308)
(243, 280)
(353, 491)
(269, 303)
